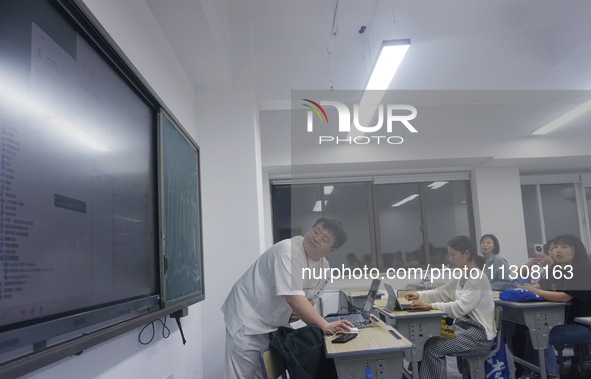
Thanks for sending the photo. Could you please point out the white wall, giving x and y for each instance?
(131, 24)
(231, 221)
(499, 210)
(231, 187)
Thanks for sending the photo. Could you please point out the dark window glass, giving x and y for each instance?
(388, 225)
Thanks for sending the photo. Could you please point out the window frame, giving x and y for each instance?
(372, 183)
(580, 182)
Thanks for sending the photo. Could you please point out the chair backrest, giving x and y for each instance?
(498, 320)
(272, 365)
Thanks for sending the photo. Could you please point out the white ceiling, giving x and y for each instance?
(277, 46)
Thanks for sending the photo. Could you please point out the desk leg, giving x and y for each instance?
(415, 370)
(418, 331)
(540, 322)
(542, 360)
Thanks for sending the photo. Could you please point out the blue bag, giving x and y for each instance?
(520, 295)
(499, 366)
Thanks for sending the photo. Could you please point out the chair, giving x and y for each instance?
(272, 365)
(476, 359)
(579, 358)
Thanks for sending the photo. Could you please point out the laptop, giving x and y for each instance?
(361, 317)
(393, 302)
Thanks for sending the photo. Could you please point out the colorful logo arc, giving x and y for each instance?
(317, 109)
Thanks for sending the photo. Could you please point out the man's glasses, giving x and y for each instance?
(323, 237)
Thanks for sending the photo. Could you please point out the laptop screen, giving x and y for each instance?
(371, 296)
(392, 299)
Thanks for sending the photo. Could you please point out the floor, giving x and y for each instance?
(452, 369)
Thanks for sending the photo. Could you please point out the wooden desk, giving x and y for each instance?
(379, 349)
(417, 327)
(539, 317)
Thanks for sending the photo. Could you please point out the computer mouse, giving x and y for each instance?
(353, 330)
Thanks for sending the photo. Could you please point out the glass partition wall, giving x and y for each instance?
(390, 225)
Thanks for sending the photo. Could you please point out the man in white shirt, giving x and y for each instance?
(276, 290)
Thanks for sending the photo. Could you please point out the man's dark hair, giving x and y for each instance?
(336, 228)
(497, 248)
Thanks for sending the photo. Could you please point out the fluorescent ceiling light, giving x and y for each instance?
(564, 119)
(318, 206)
(389, 58)
(328, 190)
(406, 200)
(436, 185)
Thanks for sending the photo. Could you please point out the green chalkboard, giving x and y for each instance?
(180, 215)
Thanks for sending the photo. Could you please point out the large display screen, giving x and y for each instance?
(78, 175)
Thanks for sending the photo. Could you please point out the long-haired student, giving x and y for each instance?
(467, 298)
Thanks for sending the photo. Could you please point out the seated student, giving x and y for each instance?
(468, 300)
(567, 281)
(496, 267)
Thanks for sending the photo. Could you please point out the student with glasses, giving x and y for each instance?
(275, 291)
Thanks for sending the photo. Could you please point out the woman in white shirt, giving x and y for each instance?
(467, 298)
